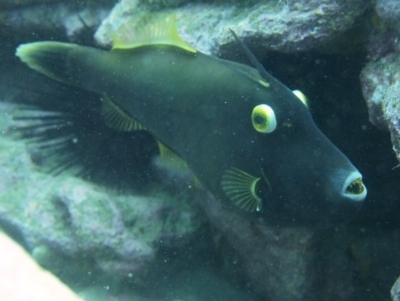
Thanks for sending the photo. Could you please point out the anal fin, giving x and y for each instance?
(170, 159)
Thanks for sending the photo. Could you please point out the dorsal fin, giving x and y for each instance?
(256, 64)
(250, 56)
(149, 29)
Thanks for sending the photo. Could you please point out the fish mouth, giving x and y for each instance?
(354, 187)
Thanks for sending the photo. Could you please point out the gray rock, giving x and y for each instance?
(389, 12)
(63, 220)
(381, 90)
(380, 77)
(285, 26)
(20, 3)
(21, 205)
(283, 263)
(385, 38)
(64, 20)
(99, 229)
(395, 291)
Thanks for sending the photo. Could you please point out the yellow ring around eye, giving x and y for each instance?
(263, 119)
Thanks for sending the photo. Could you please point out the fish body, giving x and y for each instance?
(212, 114)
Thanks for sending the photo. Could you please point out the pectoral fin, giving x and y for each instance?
(241, 188)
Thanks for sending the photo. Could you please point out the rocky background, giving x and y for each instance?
(164, 239)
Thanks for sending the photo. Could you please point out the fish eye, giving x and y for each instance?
(263, 119)
(300, 95)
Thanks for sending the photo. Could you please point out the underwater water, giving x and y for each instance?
(115, 214)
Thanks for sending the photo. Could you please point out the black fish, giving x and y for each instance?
(245, 136)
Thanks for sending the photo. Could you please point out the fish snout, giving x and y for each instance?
(354, 188)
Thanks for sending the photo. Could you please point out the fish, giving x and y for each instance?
(246, 137)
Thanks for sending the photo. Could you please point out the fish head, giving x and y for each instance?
(295, 174)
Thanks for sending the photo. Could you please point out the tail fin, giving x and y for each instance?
(48, 58)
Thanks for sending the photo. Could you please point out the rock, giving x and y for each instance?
(285, 26)
(395, 291)
(163, 3)
(381, 44)
(282, 263)
(63, 20)
(344, 263)
(381, 90)
(21, 205)
(99, 227)
(375, 250)
(20, 3)
(389, 12)
(65, 221)
(385, 36)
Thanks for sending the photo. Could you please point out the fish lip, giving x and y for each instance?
(355, 178)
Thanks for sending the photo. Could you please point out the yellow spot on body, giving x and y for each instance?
(264, 83)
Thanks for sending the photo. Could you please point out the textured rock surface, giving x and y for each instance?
(269, 257)
(395, 292)
(389, 11)
(73, 218)
(380, 82)
(380, 78)
(33, 20)
(385, 38)
(281, 263)
(87, 235)
(285, 26)
(19, 3)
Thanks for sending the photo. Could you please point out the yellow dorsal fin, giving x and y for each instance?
(117, 118)
(149, 29)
